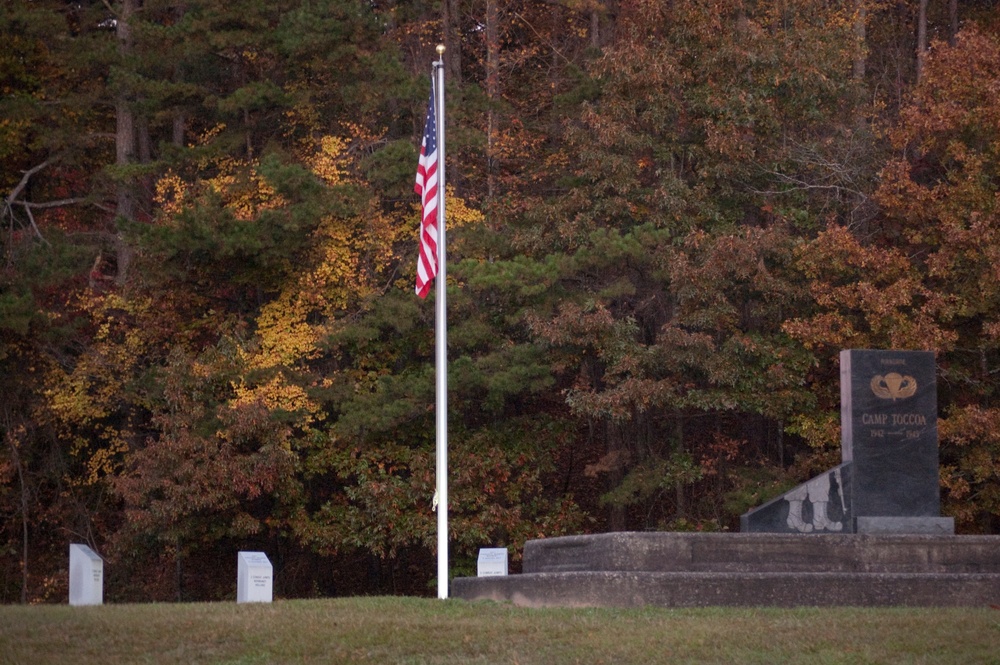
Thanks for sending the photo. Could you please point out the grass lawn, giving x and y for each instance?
(417, 630)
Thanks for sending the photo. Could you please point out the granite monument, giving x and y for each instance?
(888, 479)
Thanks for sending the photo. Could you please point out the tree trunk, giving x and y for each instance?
(679, 485)
(452, 40)
(616, 510)
(860, 35)
(179, 121)
(178, 571)
(179, 127)
(953, 20)
(492, 91)
(16, 457)
(595, 28)
(921, 38)
(24, 527)
(781, 444)
(125, 141)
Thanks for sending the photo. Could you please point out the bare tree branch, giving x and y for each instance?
(12, 200)
(34, 226)
(51, 204)
(14, 193)
(797, 184)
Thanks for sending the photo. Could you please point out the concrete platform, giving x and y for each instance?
(749, 569)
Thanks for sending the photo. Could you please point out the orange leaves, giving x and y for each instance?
(869, 297)
(614, 460)
(951, 132)
(836, 251)
(383, 501)
(941, 192)
(971, 474)
(956, 95)
(720, 450)
(213, 456)
(707, 272)
(972, 424)
(729, 141)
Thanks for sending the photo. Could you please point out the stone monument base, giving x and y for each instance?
(938, 526)
(748, 569)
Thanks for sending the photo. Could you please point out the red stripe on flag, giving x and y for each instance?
(426, 187)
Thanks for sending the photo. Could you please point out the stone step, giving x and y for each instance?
(748, 569)
(763, 553)
(636, 589)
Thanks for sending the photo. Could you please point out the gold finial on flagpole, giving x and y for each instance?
(440, 50)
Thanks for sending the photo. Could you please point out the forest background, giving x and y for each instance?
(666, 219)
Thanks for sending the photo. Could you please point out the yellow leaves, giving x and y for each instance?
(290, 326)
(329, 160)
(302, 118)
(72, 401)
(558, 161)
(81, 406)
(83, 401)
(285, 337)
(330, 157)
(344, 260)
(206, 136)
(104, 461)
(585, 6)
(170, 193)
(11, 131)
(85, 393)
(819, 430)
(276, 394)
(459, 213)
(238, 182)
(243, 189)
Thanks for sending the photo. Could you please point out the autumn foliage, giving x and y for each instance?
(665, 221)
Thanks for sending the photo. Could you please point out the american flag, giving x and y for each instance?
(427, 188)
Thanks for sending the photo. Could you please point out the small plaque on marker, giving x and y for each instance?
(492, 562)
(254, 578)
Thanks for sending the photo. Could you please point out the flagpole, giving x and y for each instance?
(441, 345)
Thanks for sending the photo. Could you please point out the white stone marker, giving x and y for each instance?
(254, 579)
(86, 576)
(492, 561)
